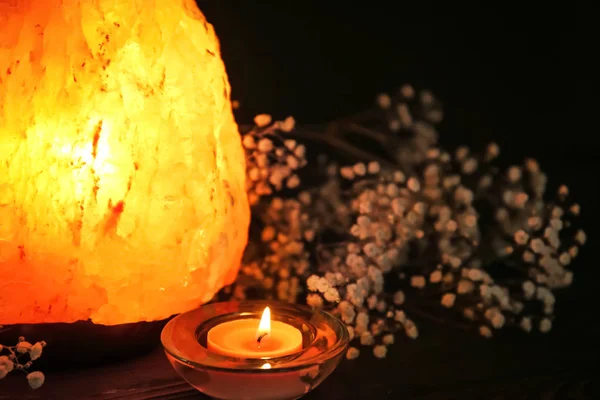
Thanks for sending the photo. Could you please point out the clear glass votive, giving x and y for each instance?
(324, 343)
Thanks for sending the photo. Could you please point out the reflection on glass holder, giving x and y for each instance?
(325, 340)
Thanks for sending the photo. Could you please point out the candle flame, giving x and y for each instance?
(264, 327)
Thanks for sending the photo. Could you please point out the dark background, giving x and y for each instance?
(506, 72)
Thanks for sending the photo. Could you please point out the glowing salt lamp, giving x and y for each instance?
(122, 174)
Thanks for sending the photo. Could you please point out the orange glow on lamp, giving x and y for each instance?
(122, 174)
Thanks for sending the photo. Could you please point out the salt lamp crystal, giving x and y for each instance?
(122, 174)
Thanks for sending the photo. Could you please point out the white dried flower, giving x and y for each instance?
(528, 289)
(388, 339)
(362, 319)
(6, 363)
(347, 173)
(469, 166)
(563, 190)
(360, 169)
(23, 347)
(373, 167)
(35, 379)
(288, 125)
(36, 351)
(526, 324)
(537, 245)
(347, 311)
(384, 101)
(265, 145)
(448, 300)
(394, 125)
(293, 182)
(514, 174)
(485, 331)
(372, 302)
(262, 120)
(565, 259)
(528, 257)
(497, 320)
(314, 300)
(465, 286)
(461, 153)
(404, 114)
(407, 91)
(475, 274)
(399, 177)
(435, 276)
(418, 282)
(581, 237)
(411, 329)
(366, 339)
(413, 184)
(399, 297)
(248, 142)
(521, 237)
(380, 351)
(312, 282)
(545, 325)
(352, 353)
(322, 285)
(400, 316)
(350, 332)
(332, 295)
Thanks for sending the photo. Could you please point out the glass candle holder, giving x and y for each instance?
(324, 343)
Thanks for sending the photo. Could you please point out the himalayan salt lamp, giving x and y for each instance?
(122, 174)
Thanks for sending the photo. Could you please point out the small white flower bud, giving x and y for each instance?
(350, 332)
(525, 324)
(23, 347)
(35, 379)
(411, 329)
(262, 120)
(380, 351)
(36, 351)
(366, 339)
(288, 124)
(545, 325)
(399, 297)
(388, 339)
(312, 282)
(347, 173)
(360, 169)
(528, 289)
(248, 142)
(332, 295)
(314, 300)
(448, 300)
(400, 316)
(373, 167)
(352, 353)
(384, 101)
(485, 331)
(436, 276)
(265, 145)
(418, 282)
(581, 237)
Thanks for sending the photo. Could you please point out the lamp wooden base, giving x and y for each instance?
(85, 344)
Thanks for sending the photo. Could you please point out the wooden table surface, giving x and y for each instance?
(443, 364)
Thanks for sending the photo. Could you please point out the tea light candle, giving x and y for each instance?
(254, 338)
